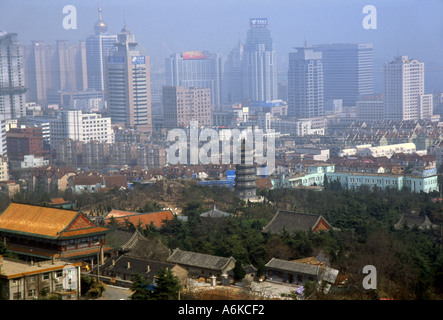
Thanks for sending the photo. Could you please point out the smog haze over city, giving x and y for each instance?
(221, 150)
(163, 27)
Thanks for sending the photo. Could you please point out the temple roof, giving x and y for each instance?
(46, 222)
(293, 221)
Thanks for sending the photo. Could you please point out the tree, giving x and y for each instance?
(239, 271)
(167, 286)
(91, 287)
(141, 288)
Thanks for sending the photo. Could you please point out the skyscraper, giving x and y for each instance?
(305, 84)
(54, 68)
(232, 86)
(403, 82)
(128, 87)
(12, 78)
(68, 66)
(98, 46)
(196, 69)
(37, 71)
(348, 71)
(259, 63)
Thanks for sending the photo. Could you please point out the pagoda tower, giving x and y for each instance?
(245, 176)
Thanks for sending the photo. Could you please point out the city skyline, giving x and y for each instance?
(403, 28)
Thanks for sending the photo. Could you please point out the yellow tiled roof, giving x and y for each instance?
(29, 219)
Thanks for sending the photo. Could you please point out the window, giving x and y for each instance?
(17, 296)
(31, 293)
(45, 276)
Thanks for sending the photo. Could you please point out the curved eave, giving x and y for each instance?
(60, 236)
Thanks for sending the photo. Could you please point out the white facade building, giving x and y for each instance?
(76, 125)
(388, 151)
(259, 76)
(426, 106)
(404, 83)
(30, 161)
(305, 84)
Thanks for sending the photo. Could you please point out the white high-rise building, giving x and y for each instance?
(259, 63)
(12, 78)
(404, 83)
(426, 106)
(79, 126)
(305, 84)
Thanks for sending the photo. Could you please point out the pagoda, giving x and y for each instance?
(245, 176)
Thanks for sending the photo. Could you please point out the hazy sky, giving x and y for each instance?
(404, 27)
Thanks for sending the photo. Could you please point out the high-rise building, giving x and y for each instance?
(348, 71)
(128, 86)
(403, 81)
(37, 71)
(196, 69)
(232, 84)
(53, 68)
(426, 106)
(12, 77)
(183, 105)
(98, 46)
(68, 66)
(259, 63)
(305, 84)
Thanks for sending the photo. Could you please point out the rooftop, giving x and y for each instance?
(15, 268)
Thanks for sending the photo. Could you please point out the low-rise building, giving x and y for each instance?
(202, 265)
(21, 280)
(156, 219)
(31, 161)
(414, 183)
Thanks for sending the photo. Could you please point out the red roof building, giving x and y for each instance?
(136, 218)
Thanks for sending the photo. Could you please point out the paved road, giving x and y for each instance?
(115, 293)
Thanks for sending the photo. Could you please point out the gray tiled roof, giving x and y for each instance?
(118, 238)
(422, 222)
(131, 266)
(200, 260)
(215, 213)
(292, 221)
(284, 265)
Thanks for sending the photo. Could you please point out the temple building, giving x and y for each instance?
(37, 233)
